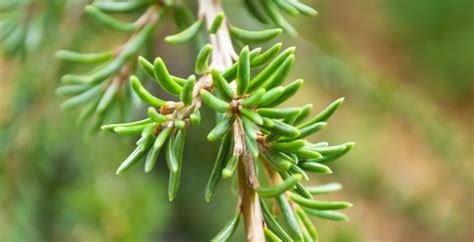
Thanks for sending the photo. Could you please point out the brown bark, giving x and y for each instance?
(248, 181)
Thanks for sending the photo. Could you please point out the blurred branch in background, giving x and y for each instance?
(26, 25)
(55, 186)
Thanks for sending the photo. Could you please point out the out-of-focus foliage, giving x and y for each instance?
(404, 181)
(25, 25)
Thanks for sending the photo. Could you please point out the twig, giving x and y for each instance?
(222, 58)
(247, 183)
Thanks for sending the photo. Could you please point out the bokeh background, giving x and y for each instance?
(404, 66)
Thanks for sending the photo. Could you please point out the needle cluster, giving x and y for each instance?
(260, 141)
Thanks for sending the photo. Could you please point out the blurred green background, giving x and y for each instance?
(404, 66)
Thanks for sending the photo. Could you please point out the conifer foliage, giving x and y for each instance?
(260, 141)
